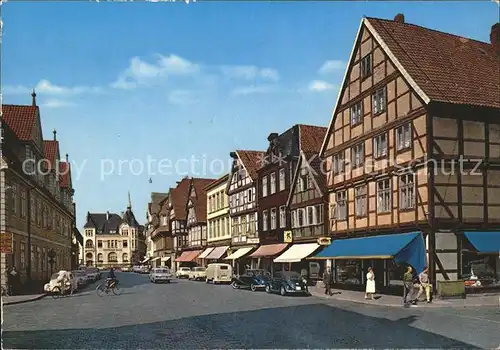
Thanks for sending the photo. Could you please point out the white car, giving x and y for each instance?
(92, 274)
(160, 274)
(183, 272)
(198, 274)
(81, 277)
(56, 277)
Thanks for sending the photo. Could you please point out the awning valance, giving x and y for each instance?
(155, 258)
(194, 254)
(404, 247)
(205, 253)
(297, 252)
(269, 250)
(239, 253)
(145, 260)
(165, 258)
(217, 253)
(183, 256)
(484, 241)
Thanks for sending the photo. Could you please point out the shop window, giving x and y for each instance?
(348, 271)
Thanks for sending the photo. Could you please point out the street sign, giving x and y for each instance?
(6, 242)
(287, 237)
(324, 241)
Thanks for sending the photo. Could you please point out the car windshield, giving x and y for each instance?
(199, 269)
(185, 269)
(162, 271)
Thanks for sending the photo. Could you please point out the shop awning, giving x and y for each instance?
(194, 254)
(165, 258)
(403, 248)
(484, 241)
(269, 250)
(156, 258)
(217, 253)
(205, 253)
(297, 252)
(145, 260)
(183, 257)
(239, 253)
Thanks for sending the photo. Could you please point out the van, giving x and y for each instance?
(219, 273)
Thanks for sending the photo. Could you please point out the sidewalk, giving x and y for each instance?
(18, 299)
(397, 301)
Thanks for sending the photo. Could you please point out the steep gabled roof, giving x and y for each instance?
(311, 137)
(252, 161)
(65, 177)
(21, 119)
(100, 222)
(200, 202)
(179, 198)
(50, 150)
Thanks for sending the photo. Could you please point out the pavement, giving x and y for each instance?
(472, 301)
(193, 315)
(18, 299)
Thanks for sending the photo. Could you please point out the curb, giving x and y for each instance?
(24, 301)
(419, 306)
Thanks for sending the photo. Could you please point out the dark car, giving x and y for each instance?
(253, 279)
(287, 282)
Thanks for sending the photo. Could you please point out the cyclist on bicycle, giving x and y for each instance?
(111, 276)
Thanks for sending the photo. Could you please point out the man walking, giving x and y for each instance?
(425, 285)
(13, 280)
(408, 286)
(328, 280)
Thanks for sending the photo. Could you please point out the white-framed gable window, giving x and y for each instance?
(264, 220)
(338, 163)
(358, 155)
(357, 113)
(282, 216)
(384, 196)
(407, 191)
(282, 179)
(341, 205)
(273, 218)
(379, 101)
(403, 137)
(264, 186)
(380, 145)
(272, 181)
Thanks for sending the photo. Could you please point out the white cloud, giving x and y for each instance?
(47, 88)
(140, 72)
(331, 66)
(250, 73)
(55, 103)
(320, 85)
(254, 89)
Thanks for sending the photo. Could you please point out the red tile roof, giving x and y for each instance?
(311, 138)
(179, 197)
(21, 119)
(200, 202)
(65, 177)
(447, 67)
(50, 150)
(252, 161)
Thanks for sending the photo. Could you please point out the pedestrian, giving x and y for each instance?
(425, 285)
(13, 280)
(370, 284)
(327, 280)
(408, 286)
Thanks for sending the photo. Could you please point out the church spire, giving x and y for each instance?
(129, 201)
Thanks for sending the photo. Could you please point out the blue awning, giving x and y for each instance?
(403, 248)
(484, 241)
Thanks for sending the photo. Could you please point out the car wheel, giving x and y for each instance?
(268, 288)
(253, 287)
(282, 291)
(235, 285)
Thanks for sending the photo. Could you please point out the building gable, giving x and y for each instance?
(36, 133)
(303, 169)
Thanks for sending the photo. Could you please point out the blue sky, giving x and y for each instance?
(125, 81)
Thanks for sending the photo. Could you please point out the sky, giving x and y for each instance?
(142, 94)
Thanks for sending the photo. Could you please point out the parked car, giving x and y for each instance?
(92, 274)
(252, 279)
(160, 274)
(57, 277)
(126, 269)
(287, 282)
(219, 273)
(81, 277)
(198, 274)
(144, 269)
(183, 272)
(136, 268)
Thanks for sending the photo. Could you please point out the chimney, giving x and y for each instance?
(233, 155)
(33, 95)
(400, 18)
(107, 215)
(55, 133)
(495, 37)
(272, 136)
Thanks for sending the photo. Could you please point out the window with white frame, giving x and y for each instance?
(281, 179)
(248, 223)
(23, 203)
(264, 220)
(341, 205)
(360, 200)
(358, 155)
(380, 145)
(407, 191)
(29, 166)
(250, 195)
(379, 101)
(273, 218)
(301, 220)
(384, 196)
(318, 213)
(403, 137)
(311, 220)
(293, 216)
(338, 163)
(272, 181)
(256, 222)
(15, 199)
(264, 186)
(357, 113)
(366, 66)
(282, 216)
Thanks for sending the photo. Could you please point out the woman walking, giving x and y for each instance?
(370, 284)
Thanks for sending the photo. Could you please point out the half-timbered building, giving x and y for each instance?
(414, 146)
(177, 214)
(160, 235)
(241, 189)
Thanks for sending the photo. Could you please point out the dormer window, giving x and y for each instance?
(366, 66)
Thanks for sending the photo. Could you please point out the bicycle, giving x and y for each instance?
(109, 285)
(59, 291)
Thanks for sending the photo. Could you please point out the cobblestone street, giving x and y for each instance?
(187, 314)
